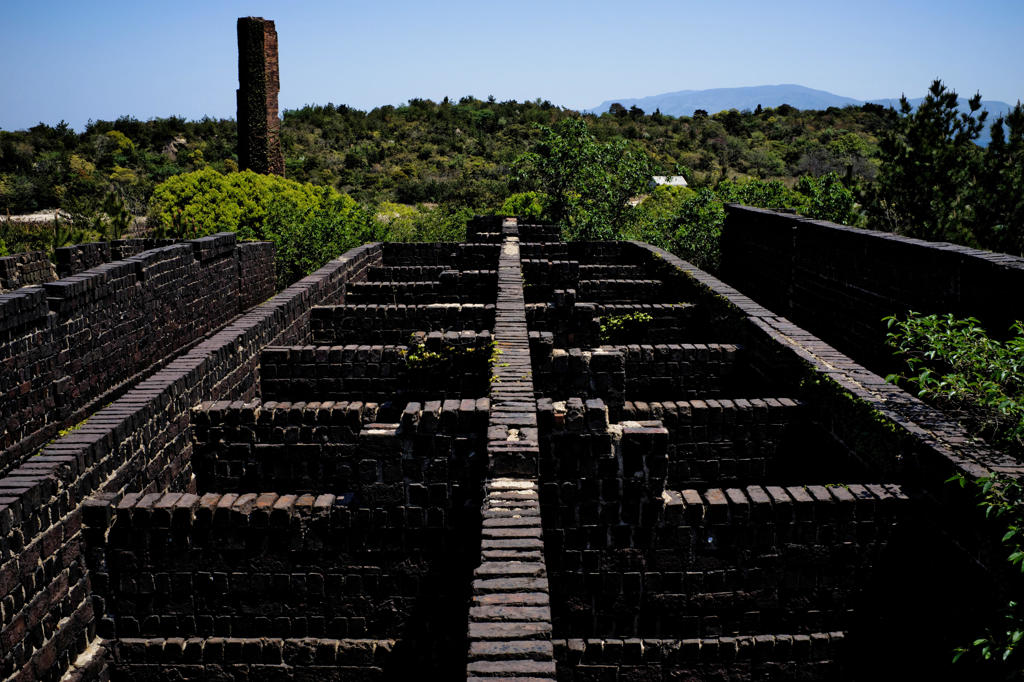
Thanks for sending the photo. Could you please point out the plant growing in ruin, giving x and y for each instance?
(955, 364)
(426, 365)
(627, 327)
(1002, 499)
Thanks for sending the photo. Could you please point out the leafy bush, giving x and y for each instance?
(826, 198)
(309, 225)
(1002, 499)
(761, 193)
(664, 201)
(618, 328)
(955, 364)
(307, 238)
(527, 205)
(693, 231)
(423, 223)
(205, 202)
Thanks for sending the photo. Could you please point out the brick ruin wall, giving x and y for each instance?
(139, 442)
(839, 282)
(69, 342)
(25, 269)
(35, 267)
(727, 497)
(70, 260)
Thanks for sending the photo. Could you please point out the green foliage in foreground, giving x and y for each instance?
(952, 362)
(955, 364)
(1002, 499)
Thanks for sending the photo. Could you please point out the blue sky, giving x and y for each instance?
(97, 60)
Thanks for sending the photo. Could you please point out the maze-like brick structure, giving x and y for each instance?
(510, 458)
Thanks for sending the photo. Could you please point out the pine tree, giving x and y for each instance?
(929, 182)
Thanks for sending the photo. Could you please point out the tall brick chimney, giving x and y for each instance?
(259, 129)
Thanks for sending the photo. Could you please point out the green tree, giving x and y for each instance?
(1001, 223)
(828, 199)
(589, 182)
(692, 231)
(528, 205)
(928, 183)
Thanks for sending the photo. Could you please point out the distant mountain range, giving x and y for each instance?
(685, 102)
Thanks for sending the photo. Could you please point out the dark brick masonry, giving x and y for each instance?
(68, 344)
(259, 128)
(474, 483)
(839, 282)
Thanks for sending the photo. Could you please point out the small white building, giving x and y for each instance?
(670, 180)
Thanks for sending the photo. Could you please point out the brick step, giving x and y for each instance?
(512, 630)
(660, 656)
(609, 253)
(715, 527)
(622, 290)
(539, 233)
(549, 274)
(579, 322)
(265, 655)
(374, 451)
(598, 271)
(394, 323)
(795, 608)
(230, 548)
(459, 362)
(509, 650)
(724, 441)
(452, 286)
(403, 273)
(520, 671)
(449, 254)
(648, 372)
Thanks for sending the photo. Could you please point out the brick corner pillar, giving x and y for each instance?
(259, 129)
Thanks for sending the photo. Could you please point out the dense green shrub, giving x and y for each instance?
(306, 238)
(205, 201)
(527, 205)
(665, 201)
(423, 223)
(954, 363)
(1002, 499)
(827, 198)
(692, 231)
(309, 225)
